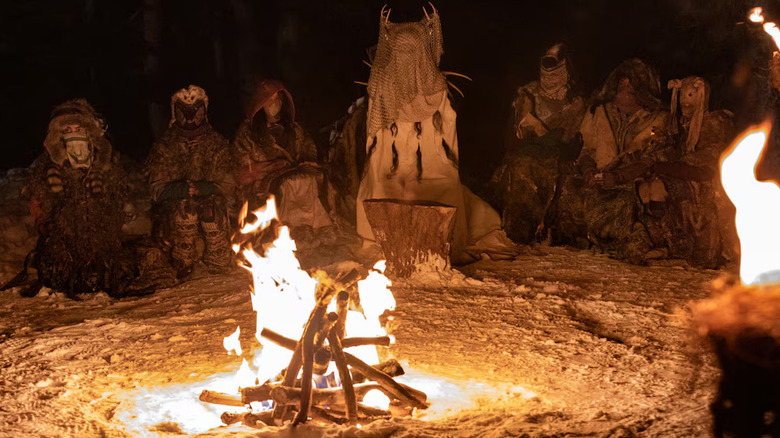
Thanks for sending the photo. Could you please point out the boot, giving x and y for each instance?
(185, 251)
(217, 255)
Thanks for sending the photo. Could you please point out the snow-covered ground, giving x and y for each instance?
(555, 343)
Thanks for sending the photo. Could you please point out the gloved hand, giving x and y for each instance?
(94, 184)
(54, 180)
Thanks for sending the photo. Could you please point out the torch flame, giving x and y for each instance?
(757, 16)
(758, 207)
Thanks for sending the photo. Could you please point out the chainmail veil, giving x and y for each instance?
(406, 66)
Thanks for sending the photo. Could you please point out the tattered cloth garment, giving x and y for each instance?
(412, 144)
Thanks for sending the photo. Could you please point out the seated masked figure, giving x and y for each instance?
(547, 114)
(76, 198)
(412, 143)
(277, 157)
(623, 126)
(684, 206)
(188, 169)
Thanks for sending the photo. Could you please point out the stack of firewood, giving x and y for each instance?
(294, 399)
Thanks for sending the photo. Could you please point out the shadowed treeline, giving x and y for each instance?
(128, 56)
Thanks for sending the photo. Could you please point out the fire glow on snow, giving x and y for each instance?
(283, 296)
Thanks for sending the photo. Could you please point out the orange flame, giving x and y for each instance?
(757, 204)
(757, 16)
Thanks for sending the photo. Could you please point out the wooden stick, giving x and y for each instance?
(325, 396)
(289, 344)
(319, 339)
(219, 398)
(406, 394)
(322, 358)
(346, 376)
(307, 349)
(401, 392)
(296, 362)
(232, 417)
(264, 419)
(320, 413)
(373, 412)
(365, 411)
(383, 341)
(256, 393)
(342, 305)
(391, 367)
(278, 339)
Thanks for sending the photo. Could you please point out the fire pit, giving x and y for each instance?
(348, 390)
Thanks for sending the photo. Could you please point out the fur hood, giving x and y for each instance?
(77, 111)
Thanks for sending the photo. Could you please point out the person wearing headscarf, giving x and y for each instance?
(190, 179)
(546, 117)
(412, 143)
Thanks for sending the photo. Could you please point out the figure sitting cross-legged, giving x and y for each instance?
(188, 170)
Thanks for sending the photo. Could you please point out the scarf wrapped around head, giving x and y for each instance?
(554, 73)
(406, 65)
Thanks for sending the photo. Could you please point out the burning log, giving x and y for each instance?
(398, 391)
(290, 344)
(320, 396)
(307, 353)
(219, 398)
(410, 231)
(256, 393)
(295, 398)
(346, 377)
(342, 305)
(258, 420)
(383, 341)
(297, 361)
(390, 367)
(322, 358)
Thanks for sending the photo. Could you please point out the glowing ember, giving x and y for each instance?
(758, 207)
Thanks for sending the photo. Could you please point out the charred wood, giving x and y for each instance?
(219, 398)
(346, 377)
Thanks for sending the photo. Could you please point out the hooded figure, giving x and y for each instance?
(275, 156)
(76, 198)
(412, 144)
(624, 125)
(684, 207)
(188, 169)
(547, 113)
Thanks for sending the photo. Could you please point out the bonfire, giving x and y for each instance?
(319, 336)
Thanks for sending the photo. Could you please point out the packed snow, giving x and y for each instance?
(558, 342)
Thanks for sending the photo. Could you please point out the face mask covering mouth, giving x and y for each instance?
(78, 149)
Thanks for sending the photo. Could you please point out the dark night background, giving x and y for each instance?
(128, 56)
